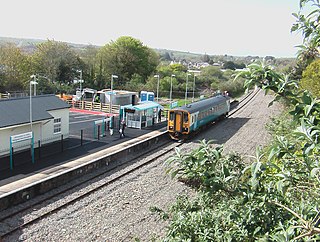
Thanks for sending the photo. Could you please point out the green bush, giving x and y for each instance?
(311, 78)
(276, 198)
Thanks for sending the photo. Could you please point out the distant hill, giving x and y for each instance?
(29, 45)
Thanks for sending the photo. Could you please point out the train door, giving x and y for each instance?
(195, 120)
(178, 122)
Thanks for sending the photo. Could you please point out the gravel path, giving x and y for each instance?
(120, 212)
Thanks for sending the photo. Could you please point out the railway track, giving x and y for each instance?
(154, 154)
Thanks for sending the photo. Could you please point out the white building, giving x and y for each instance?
(50, 120)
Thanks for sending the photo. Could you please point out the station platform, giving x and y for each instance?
(28, 173)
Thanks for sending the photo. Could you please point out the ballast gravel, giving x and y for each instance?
(121, 211)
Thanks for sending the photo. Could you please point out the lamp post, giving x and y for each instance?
(80, 81)
(157, 76)
(32, 82)
(172, 75)
(186, 95)
(112, 76)
(194, 83)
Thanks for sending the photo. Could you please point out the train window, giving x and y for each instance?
(171, 116)
(185, 117)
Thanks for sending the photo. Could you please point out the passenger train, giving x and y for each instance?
(182, 121)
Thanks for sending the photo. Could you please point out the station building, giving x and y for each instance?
(50, 120)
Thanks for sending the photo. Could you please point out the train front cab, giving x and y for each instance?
(178, 123)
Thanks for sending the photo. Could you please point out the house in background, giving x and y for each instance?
(50, 120)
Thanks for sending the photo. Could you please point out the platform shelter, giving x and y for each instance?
(144, 114)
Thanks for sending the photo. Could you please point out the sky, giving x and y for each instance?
(214, 27)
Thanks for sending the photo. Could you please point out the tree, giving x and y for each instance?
(166, 56)
(128, 56)
(232, 66)
(210, 75)
(92, 67)
(15, 68)
(311, 78)
(205, 58)
(57, 61)
(178, 68)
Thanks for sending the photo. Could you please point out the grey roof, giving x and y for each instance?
(17, 111)
(203, 104)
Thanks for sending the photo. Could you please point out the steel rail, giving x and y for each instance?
(244, 102)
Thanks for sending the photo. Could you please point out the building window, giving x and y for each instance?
(57, 125)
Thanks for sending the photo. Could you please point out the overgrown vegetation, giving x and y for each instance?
(276, 198)
(273, 199)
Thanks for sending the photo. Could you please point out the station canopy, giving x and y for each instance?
(143, 106)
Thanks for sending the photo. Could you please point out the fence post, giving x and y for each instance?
(11, 159)
(39, 149)
(62, 143)
(81, 135)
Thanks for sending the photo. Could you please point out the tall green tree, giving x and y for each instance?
(14, 68)
(91, 69)
(57, 61)
(127, 56)
(210, 76)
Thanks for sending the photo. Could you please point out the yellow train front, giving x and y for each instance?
(189, 118)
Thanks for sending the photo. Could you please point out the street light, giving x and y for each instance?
(81, 81)
(186, 96)
(112, 76)
(195, 73)
(172, 75)
(32, 82)
(158, 76)
(194, 84)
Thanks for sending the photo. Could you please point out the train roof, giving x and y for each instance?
(203, 104)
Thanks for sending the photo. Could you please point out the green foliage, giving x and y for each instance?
(311, 78)
(203, 168)
(92, 69)
(205, 58)
(276, 198)
(264, 76)
(177, 68)
(136, 84)
(234, 88)
(57, 61)
(244, 204)
(210, 76)
(308, 25)
(127, 56)
(14, 69)
(232, 66)
(165, 56)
